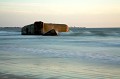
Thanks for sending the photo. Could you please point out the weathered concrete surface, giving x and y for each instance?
(57, 27)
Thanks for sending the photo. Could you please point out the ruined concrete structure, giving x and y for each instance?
(41, 28)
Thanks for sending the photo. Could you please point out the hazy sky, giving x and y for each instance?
(83, 13)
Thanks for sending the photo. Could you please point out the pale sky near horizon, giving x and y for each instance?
(83, 13)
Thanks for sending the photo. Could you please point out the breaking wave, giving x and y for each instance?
(92, 32)
(9, 33)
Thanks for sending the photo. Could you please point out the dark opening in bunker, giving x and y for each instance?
(38, 26)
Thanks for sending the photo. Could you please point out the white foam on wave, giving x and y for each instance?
(96, 56)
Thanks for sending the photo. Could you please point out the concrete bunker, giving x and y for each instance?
(41, 28)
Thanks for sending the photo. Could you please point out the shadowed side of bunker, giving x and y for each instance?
(51, 33)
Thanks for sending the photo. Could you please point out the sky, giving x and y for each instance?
(80, 13)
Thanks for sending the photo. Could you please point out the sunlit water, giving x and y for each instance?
(67, 56)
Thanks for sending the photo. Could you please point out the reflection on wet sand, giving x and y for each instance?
(11, 76)
(56, 68)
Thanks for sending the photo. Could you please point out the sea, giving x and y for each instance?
(81, 53)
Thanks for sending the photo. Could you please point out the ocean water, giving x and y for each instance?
(82, 53)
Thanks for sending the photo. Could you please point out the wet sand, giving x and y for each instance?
(11, 76)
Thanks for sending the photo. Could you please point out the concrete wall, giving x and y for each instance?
(28, 30)
(58, 27)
